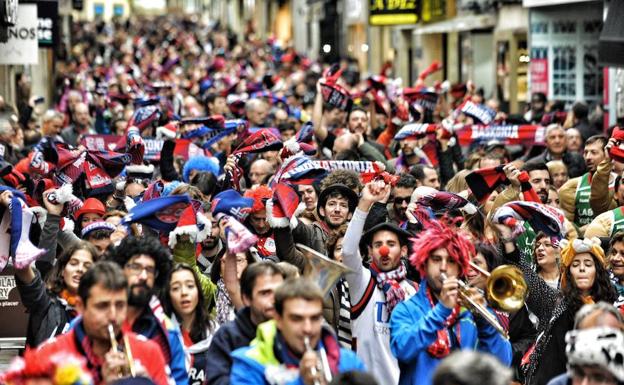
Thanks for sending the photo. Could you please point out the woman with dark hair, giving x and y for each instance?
(546, 257)
(184, 302)
(584, 279)
(51, 308)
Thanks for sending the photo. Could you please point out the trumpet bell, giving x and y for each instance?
(322, 270)
(506, 288)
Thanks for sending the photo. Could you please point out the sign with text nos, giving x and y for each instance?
(22, 45)
(393, 12)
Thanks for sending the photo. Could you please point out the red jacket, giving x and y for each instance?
(143, 350)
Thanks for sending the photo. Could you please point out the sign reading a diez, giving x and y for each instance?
(21, 47)
(392, 12)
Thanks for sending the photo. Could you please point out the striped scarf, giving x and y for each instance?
(344, 316)
(390, 283)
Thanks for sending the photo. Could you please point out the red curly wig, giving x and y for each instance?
(260, 195)
(437, 235)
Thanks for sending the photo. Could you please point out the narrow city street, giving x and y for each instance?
(311, 192)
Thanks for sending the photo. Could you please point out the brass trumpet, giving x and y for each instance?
(326, 371)
(505, 291)
(321, 269)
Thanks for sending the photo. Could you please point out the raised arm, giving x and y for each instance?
(320, 131)
(372, 192)
(541, 298)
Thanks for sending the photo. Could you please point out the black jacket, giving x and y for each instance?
(229, 337)
(49, 314)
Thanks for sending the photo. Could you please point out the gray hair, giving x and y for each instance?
(5, 126)
(552, 127)
(254, 104)
(50, 115)
(468, 367)
(592, 308)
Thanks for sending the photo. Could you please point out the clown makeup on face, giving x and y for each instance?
(391, 241)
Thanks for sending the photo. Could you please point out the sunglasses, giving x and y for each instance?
(400, 200)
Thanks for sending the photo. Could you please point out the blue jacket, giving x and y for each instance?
(255, 363)
(413, 328)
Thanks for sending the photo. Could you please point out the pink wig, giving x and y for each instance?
(437, 235)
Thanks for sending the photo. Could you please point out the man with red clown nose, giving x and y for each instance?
(376, 291)
(430, 325)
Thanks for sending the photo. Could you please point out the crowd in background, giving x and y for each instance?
(161, 217)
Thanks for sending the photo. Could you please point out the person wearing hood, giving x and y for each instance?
(289, 347)
(185, 304)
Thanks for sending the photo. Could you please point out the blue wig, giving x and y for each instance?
(200, 163)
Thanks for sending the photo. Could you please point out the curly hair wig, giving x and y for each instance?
(437, 235)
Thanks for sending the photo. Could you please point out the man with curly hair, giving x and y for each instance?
(429, 326)
(145, 263)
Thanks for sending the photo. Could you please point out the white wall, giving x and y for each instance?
(483, 71)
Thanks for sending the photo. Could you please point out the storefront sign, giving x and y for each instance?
(21, 47)
(13, 316)
(539, 75)
(433, 10)
(47, 20)
(393, 12)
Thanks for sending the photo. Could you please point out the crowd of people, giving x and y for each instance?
(162, 219)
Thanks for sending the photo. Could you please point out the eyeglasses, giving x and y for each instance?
(400, 200)
(593, 376)
(136, 269)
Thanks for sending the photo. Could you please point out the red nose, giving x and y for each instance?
(384, 251)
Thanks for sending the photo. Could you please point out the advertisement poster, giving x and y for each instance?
(23, 43)
(13, 316)
(539, 75)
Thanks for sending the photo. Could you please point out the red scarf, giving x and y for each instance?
(69, 297)
(441, 347)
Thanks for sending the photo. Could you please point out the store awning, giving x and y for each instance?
(457, 24)
(611, 42)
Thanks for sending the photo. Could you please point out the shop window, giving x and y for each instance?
(592, 26)
(564, 26)
(539, 28)
(564, 72)
(592, 74)
(539, 53)
(118, 10)
(98, 9)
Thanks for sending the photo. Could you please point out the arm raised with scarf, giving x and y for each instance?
(358, 280)
(541, 298)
